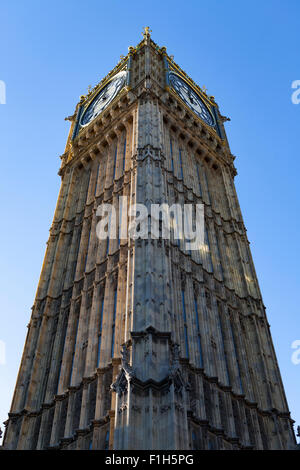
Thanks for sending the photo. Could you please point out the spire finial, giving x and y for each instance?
(146, 32)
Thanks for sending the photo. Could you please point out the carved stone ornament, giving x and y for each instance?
(125, 375)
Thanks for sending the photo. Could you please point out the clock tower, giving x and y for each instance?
(140, 343)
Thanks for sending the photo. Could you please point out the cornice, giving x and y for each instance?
(208, 141)
(198, 133)
(98, 134)
(157, 385)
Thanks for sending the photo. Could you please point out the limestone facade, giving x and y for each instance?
(140, 344)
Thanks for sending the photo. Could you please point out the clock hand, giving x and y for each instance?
(190, 97)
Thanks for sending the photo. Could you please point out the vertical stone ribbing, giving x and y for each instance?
(181, 336)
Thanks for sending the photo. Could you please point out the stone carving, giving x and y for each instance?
(125, 353)
(126, 373)
(175, 360)
(123, 407)
(149, 152)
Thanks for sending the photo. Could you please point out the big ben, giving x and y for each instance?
(140, 343)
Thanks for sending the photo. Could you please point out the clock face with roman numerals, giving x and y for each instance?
(191, 98)
(103, 98)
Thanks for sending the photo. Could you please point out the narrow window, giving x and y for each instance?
(171, 153)
(96, 179)
(115, 160)
(61, 353)
(194, 440)
(180, 161)
(198, 334)
(185, 325)
(223, 343)
(108, 234)
(219, 256)
(113, 325)
(236, 356)
(100, 332)
(208, 195)
(74, 349)
(120, 220)
(198, 176)
(211, 444)
(207, 249)
(87, 250)
(106, 443)
(124, 154)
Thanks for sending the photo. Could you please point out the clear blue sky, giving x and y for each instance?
(247, 55)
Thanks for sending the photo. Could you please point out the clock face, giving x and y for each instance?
(103, 99)
(191, 98)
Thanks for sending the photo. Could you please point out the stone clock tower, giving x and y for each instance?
(140, 343)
